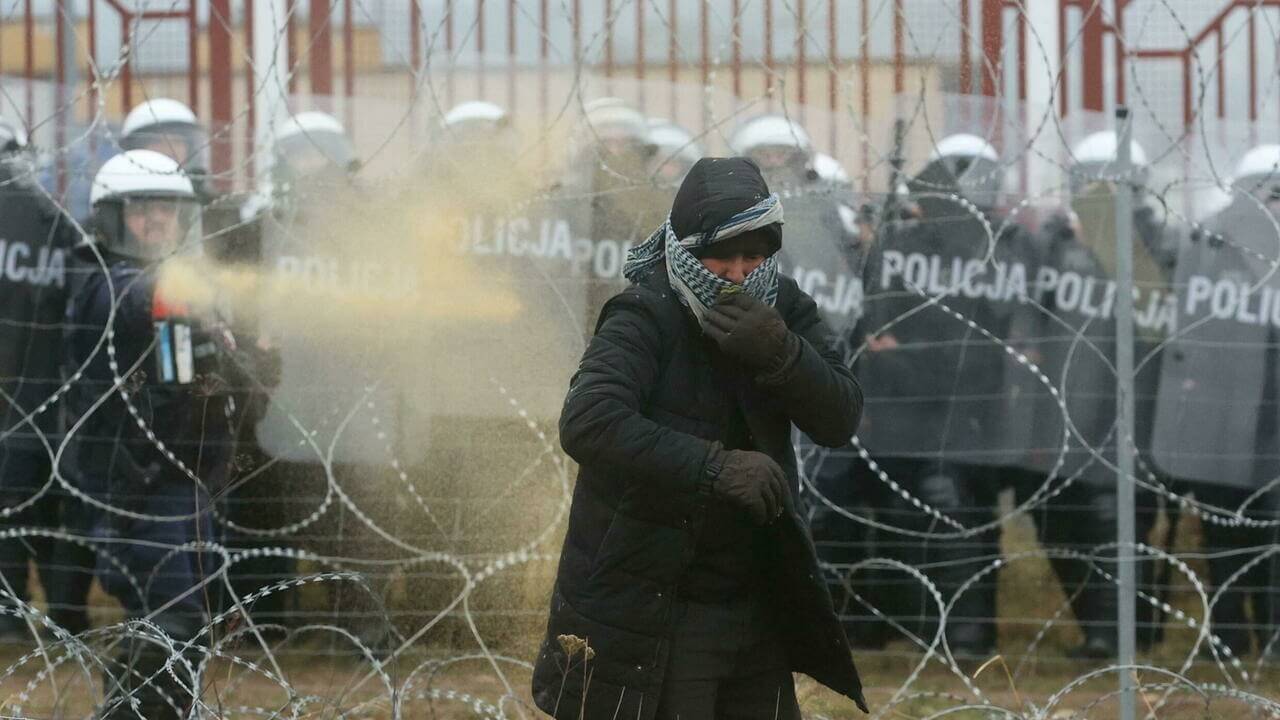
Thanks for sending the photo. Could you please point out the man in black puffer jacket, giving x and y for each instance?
(688, 585)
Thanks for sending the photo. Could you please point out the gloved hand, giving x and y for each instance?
(751, 332)
(753, 482)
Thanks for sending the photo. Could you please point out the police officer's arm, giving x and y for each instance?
(602, 422)
(817, 390)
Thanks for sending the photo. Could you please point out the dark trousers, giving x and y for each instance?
(726, 663)
(968, 495)
(1082, 519)
(1223, 545)
(155, 565)
(66, 568)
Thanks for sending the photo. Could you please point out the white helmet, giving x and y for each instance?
(1094, 159)
(964, 145)
(311, 143)
(166, 126)
(12, 137)
(1259, 165)
(306, 123)
(677, 150)
(612, 119)
(475, 111)
(476, 130)
(612, 143)
(770, 131)
(779, 146)
(970, 162)
(829, 170)
(1100, 149)
(144, 206)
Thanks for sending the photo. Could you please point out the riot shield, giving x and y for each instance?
(36, 240)
(539, 258)
(823, 251)
(1067, 391)
(943, 285)
(952, 265)
(431, 317)
(1211, 410)
(332, 404)
(623, 213)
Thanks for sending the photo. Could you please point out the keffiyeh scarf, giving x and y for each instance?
(695, 285)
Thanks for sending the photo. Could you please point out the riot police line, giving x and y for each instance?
(954, 418)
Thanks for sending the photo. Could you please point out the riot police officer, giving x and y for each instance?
(474, 158)
(780, 146)
(36, 238)
(1216, 413)
(153, 438)
(170, 128)
(611, 164)
(676, 151)
(934, 381)
(1080, 515)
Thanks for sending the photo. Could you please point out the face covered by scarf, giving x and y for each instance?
(696, 286)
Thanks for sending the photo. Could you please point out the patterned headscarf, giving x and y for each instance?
(696, 286)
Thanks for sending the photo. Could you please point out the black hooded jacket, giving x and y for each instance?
(644, 410)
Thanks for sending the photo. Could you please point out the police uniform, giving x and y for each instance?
(35, 240)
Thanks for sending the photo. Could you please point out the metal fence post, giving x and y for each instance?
(1124, 412)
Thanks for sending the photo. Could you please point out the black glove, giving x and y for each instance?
(753, 482)
(751, 332)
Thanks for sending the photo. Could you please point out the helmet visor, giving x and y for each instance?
(155, 227)
(187, 144)
(315, 153)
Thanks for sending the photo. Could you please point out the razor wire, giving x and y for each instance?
(419, 500)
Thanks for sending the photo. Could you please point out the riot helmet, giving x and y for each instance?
(779, 146)
(617, 129)
(17, 167)
(168, 127)
(829, 170)
(144, 207)
(12, 138)
(966, 164)
(1258, 173)
(475, 117)
(1094, 158)
(613, 145)
(473, 140)
(676, 153)
(312, 149)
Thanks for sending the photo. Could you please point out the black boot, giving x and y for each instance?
(968, 626)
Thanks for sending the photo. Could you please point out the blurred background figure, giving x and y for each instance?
(1078, 245)
(474, 158)
(1216, 412)
(935, 384)
(170, 128)
(676, 151)
(159, 447)
(333, 420)
(612, 165)
(780, 147)
(313, 159)
(36, 239)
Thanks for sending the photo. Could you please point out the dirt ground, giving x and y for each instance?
(447, 674)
